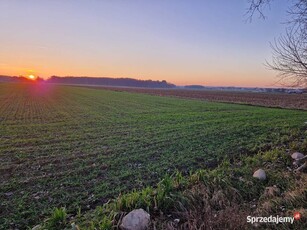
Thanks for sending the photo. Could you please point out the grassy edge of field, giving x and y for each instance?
(219, 198)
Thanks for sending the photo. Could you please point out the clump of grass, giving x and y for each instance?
(57, 219)
(134, 199)
(106, 223)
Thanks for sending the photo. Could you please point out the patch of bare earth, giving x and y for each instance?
(279, 100)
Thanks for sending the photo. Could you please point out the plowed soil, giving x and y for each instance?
(279, 100)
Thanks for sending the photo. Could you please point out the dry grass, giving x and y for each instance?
(210, 210)
(213, 208)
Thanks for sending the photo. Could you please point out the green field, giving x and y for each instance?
(76, 147)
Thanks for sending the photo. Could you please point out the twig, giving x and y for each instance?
(303, 166)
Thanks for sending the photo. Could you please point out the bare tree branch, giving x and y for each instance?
(289, 59)
(289, 56)
(257, 6)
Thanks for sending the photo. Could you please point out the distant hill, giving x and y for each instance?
(128, 82)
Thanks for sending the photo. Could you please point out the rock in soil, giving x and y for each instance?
(137, 219)
(260, 174)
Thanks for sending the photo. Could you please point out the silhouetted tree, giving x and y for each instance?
(289, 50)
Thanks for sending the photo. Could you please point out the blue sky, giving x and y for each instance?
(183, 42)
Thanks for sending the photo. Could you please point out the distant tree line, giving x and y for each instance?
(4, 78)
(128, 82)
(12, 79)
(125, 82)
(194, 87)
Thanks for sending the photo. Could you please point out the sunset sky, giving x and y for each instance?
(204, 42)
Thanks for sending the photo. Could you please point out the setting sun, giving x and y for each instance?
(32, 77)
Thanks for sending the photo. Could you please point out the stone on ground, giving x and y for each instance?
(297, 155)
(260, 174)
(137, 219)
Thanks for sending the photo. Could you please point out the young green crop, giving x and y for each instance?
(75, 147)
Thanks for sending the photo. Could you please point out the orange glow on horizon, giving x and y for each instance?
(257, 78)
